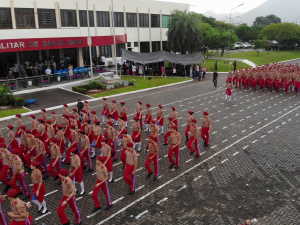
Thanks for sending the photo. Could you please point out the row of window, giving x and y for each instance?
(47, 19)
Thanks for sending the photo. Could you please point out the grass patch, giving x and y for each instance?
(222, 65)
(264, 57)
(12, 112)
(141, 83)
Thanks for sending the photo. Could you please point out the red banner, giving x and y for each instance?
(32, 44)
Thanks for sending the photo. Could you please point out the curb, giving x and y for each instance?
(289, 60)
(96, 99)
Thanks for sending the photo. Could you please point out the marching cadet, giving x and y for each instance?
(87, 109)
(19, 211)
(85, 151)
(106, 151)
(139, 113)
(94, 116)
(3, 219)
(126, 139)
(23, 142)
(153, 156)
(33, 125)
(43, 115)
(89, 130)
(54, 120)
(69, 198)
(105, 110)
(154, 130)
(124, 113)
(75, 172)
(97, 137)
(61, 141)
(194, 130)
(12, 142)
(38, 191)
(19, 123)
(205, 128)
(55, 159)
(121, 127)
(73, 122)
(136, 133)
(148, 117)
(160, 119)
(84, 117)
(101, 183)
(188, 125)
(7, 164)
(42, 130)
(31, 149)
(174, 116)
(111, 139)
(2, 140)
(77, 118)
(18, 174)
(175, 141)
(65, 109)
(228, 91)
(171, 124)
(74, 144)
(130, 167)
(114, 112)
(66, 126)
(41, 154)
(50, 132)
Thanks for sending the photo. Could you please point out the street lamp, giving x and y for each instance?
(297, 20)
(229, 30)
(113, 23)
(89, 38)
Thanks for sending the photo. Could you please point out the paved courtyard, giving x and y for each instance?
(250, 170)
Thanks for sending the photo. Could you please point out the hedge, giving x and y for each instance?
(18, 102)
(83, 89)
(80, 90)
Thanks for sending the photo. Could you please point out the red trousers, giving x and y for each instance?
(3, 219)
(277, 84)
(123, 156)
(104, 187)
(161, 121)
(87, 155)
(77, 175)
(114, 151)
(28, 155)
(254, 83)
(287, 85)
(128, 172)
(195, 142)
(205, 134)
(148, 161)
(42, 191)
(28, 221)
(166, 136)
(51, 167)
(140, 118)
(21, 153)
(61, 210)
(239, 83)
(14, 144)
(135, 137)
(170, 154)
(3, 174)
(42, 160)
(22, 179)
(109, 164)
(187, 130)
(262, 83)
(297, 85)
(68, 154)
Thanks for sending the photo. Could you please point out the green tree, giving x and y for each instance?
(243, 31)
(265, 21)
(6, 95)
(184, 34)
(260, 44)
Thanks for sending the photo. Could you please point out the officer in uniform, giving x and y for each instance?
(23, 75)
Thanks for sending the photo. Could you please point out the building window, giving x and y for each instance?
(103, 19)
(68, 18)
(119, 19)
(119, 48)
(105, 50)
(136, 44)
(165, 21)
(155, 20)
(5, 18)
(24, 18)
(144, 20)
(129, 44)
(131, 19)
(165, 46)
(145, 47)
(47, 18)
(86, 54)
(155, 46)
(83, 18)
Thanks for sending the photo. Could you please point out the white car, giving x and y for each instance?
(246, 45)
(238, 45)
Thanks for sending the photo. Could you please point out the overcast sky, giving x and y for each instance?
(220, 6)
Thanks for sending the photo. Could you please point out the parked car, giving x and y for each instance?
(238, 45)
(246, 45)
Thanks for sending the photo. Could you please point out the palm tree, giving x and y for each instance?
(6, 95)
(185, 33)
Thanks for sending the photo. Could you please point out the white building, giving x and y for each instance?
(45, 29)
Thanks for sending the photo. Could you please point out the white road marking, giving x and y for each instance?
(183, 187)
(245, 146)
(248, 117)
(244, 131)
(234, 135)
(277, 127)
(232, 124)
(241, 119)
(259, 123)
(164, 199)
(251, 127)
(266, 118)
(254, 141)
(263, 136)
(270, 131)
(224, 127)
(224, 160)
(225, 117)
(118, 179)
(79, 198)
(214, 132)
(50, 193)
(197, 178)
(234, 154)
(217, 120)
(139, 169)
(224, 140)
(141, 214)
(214, 146)
(40, 217)
(139, 188)
(233, 114)
(119, 199)
(189, 160)
(255, 113)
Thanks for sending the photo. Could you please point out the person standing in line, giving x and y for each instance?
(55, 160)
(130, 167)
(80, 105)
(85, 150)
(188, 126)
(228, 91)
(19, 211)
(12, 142)
(234, 66)
(174, 116)
(75, 172)
(176, 141)
(136, 133)
(101, 183)
(105, 109)
(148, 118)
(124, 113)
(106, 151)
(139, 113)
(38, 191)
(114, 112)
(160, 119)
(41, 155)
(7, 163)
(194, 130)
(111, 139)
(23, 75)
(204, 72)
(3, 219)
(126, 138)
(205, 128)
(215, 78)
(216, 65)
(153, 156)
(69, 198)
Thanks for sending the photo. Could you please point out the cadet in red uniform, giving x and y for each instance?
(160, 119)
(101, 183)
(76, 169)
(105, 109)
(111, 139)
(2, 140)
(23, 142)
(139, 113)
(7, 163)
(87, 108)
(114, 112)
(33, 125)
(176, 141)
(228, 91)
(12, 142)
(106, 151)
(65, 109)
(19, 123)
(121, 128)
(124, 113)
(19, 211)
(31, 149)
(154, 131)
(41, 154)
(174, 116)
(194, 138)
(85, 150)
(171, 124)
(153, 156)
(69, 198)
(19, 174)
(205, 128)
(97, 137)
(74, 144)
(43, 115)
(188, 126)
(55, 159)
(38, 191)
(94, 116)
(126, 139)
(148, 117)
(77, 118)
(54, 120)
(130, 167)
(3, 219)
(136, 133)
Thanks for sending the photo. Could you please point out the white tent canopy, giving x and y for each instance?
(152, 57)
